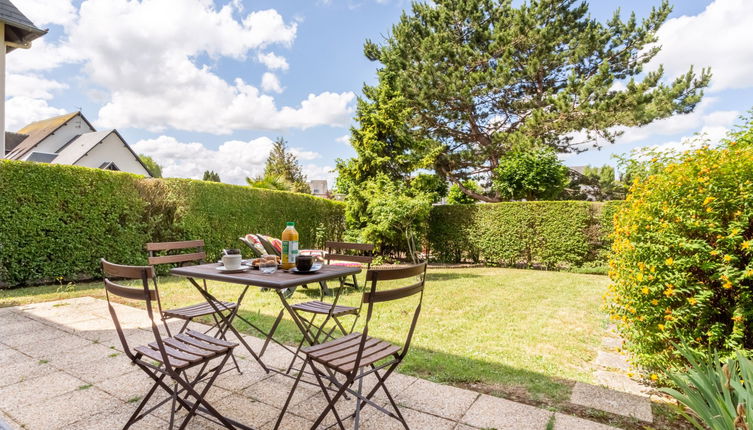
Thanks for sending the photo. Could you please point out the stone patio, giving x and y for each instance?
(63, 368)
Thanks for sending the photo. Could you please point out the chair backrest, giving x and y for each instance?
(373, 295)
(146, 275)
(348, 251)
(194, 252)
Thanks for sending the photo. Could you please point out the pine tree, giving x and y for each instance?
(210, 175)
(482, 78)
(283, 164)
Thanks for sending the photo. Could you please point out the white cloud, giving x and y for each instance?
(145, 56)
(272, 61)
(32, 86)
(270, 83)
(709, 135)
(305, 155)
(717, 37)
(43, 12)
(344, 139)
(234, 160)
(21, 110)
(314, 171)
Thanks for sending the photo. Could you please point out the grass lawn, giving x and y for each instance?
(521, 334)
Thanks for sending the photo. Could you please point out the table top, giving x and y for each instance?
(278, 280)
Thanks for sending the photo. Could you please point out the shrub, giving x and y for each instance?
(681, 269)
(57, 221)
(553, 234)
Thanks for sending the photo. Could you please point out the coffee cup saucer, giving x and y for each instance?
(224, 269)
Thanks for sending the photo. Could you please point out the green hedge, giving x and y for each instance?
(551, 234)
(57, 221)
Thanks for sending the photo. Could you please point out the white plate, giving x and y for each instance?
(224, 269)
(314, 269)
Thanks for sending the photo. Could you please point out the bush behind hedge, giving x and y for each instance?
(57, 221)
(549, 233)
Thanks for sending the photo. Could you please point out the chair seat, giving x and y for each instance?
(187, 349)
(198, 310)
(340, 354)
(317, 307)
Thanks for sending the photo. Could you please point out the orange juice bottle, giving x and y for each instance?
(289, 246)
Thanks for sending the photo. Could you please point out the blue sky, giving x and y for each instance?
(203, 84)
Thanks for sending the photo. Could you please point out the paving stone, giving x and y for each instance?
(90, 354)
(612, 343)
(616, 402)
(462, 426)
(55, 346)
(24, 369)
(567, 422)
(396, 384)
(58, 412)
(442, 400)
(9, 355)
(7, 423)
(38, 389)
(291, 422)
(101, 368)
(128, 385)
(493, 412)
(231, 380)
(620, 382)
(612, 360)
(19, 326)
(275, 390)
(116, 419)
(313, 406)
(247, 411)
(376, 420)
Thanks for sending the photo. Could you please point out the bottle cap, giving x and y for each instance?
(290, 223)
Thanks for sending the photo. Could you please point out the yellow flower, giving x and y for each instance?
(669, 261)
(749, 272)
(727, 258)
(745, 245)
(727, 285)
(639, 277)
(644, 290)
(654, 302)
(708, 200)
(654, 377)
(692, 301)
(714, 252)
(708, 209)
(661, 326)
(669, 292)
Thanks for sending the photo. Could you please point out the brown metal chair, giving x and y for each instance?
(351, 355)
(169, 357)
(188, 313)
(361, 253)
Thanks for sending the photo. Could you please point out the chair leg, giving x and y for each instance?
(300, 344)
(271, 332)
(330, 401)
(200, 400)
(135, 416)
(357, 417)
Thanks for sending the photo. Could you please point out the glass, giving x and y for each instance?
(268, 264)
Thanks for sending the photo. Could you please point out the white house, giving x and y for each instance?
(71, 139)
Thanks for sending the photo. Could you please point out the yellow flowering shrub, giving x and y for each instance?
(681, 264)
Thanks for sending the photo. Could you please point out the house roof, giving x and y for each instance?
(18, 28)
(12, 140)
(78, 147)
(38, 131)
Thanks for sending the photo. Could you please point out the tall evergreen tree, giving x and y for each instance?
(151, 165)
(482, 78)
(283, 164)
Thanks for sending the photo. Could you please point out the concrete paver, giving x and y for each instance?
(615, 402)
(64, 368)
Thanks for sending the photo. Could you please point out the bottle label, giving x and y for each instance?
(289, 251)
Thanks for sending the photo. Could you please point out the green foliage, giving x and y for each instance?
(533, 174)
(211, 176)
(550, 234)
(396, 218)
(595, 183)
(271, 182)
(480, 78)
(282, 168)
(58, 221)
(456, 196)
(720, 394)
(681, 269)
(430, 185)
(151, 165)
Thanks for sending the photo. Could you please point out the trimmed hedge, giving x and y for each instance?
(550, 233)
(57, 221)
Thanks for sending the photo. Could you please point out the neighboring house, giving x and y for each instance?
(71, 139)
(319, 188)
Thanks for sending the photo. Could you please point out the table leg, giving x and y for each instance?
(228, 322)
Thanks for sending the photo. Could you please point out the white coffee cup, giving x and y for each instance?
(232, 262)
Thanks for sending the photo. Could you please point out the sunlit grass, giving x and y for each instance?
(517, 333)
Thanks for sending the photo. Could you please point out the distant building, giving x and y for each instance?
(319, 188)
(71, 139)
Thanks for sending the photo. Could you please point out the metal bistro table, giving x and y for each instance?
(278, 281)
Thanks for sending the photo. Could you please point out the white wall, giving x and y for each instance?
(113, 149)
(53, 142)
